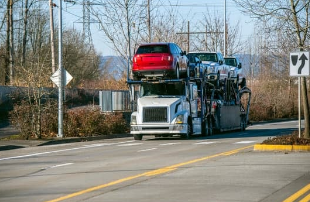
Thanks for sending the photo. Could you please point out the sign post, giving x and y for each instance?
(299, 66)
(61, 78)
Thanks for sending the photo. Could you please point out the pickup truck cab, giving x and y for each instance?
(236, 70)
(213, 65)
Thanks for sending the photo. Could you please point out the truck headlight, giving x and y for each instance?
(179, 119)
(133, 120)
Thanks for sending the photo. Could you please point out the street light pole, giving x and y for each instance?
(61, 83)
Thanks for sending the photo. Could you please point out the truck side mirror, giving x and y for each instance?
(197, 61)
(239, 65)
(221, 62)
(132, 93)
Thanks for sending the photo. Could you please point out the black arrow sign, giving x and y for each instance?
(303, 59)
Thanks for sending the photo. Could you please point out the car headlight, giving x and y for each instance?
(133, 120)
(179, 119)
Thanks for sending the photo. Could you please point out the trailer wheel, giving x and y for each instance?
(243, 83)
(210, 127)
(217, 84)
(243, 126)
(177, 72)
(237, 82)
(204, 131)
(137, 136)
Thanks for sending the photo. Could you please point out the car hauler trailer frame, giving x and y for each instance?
(188, 106)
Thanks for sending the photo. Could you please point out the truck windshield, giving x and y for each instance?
(205, 56)
(231, 62)
(172, 89)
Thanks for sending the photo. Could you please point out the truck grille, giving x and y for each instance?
(155, 114)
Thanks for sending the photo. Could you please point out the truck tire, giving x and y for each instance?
(237, 82)
(243, 83)
(177, 72)
(204, 131)
(189, 131)
(217, 83)
(210, 127)
(137, 136)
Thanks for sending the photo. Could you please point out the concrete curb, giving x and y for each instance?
(265, 147)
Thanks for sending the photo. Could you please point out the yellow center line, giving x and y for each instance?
(306, 199)
(298, 194)
(148, 174)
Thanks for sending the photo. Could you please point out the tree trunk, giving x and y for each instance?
(11, 49)
(7, 63)
(25, 34)
(52, 36)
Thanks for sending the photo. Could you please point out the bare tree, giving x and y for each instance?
(289, 16)
(9, 44)
(121, 21)
(52, 5)
(213, 39)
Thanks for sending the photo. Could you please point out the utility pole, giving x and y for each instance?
(149, 19)
(225, 31)
(61, 83)
(188, 36)
(86, 22)
(189, 33)
(129, 36)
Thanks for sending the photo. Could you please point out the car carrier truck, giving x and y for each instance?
(188, 106)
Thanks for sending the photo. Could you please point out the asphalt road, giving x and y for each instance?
(219, 168)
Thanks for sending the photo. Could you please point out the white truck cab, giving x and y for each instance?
(166, 109)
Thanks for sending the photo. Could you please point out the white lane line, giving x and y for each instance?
(98, 145)
(244, 142)
(56, 166)
(168, 144)
(144, 150)
(130, 144)
(204, 143)
(58, 151)
(65, 150)
(126, 142)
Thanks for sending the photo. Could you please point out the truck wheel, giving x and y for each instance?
(217, 84)
(137, 136)
(243, 82)
(177, 72)
(189, 132)
(210, 128)
(203, 128)
(243, 125)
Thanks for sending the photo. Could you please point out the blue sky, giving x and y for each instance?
(72, 17)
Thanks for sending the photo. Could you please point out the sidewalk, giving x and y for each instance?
(6, 129)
